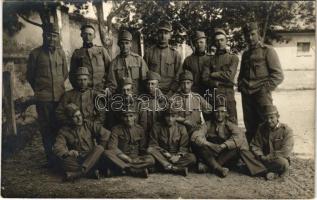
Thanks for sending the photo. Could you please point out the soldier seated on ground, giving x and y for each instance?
(127, 150)
(273, 144)
(168, 144)
(221, 143)
(80, 145)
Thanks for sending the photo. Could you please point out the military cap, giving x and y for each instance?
(186, 75)
(219, 31)
(125, 35)
(269, 109)
(125, 81)
(165, 25)
(71, 109)
(82, 71)
(87, 25)
(51, 28)
(198, 35)
(153, 76)
(250, 27)
(221, 103)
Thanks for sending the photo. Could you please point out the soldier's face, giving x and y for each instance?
(77, 118)
(163, 36)
(170, 119)
(272, 120)
(186, 86)
(152, 85)
(129, 119)
(125, 47)
(252, 37)
(82, 81)
(88, 35)
(221, 41)
(200, 45)
(127, 90)
(51, 39)
(221, 114)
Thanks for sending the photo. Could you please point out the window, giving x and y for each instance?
(303, 48)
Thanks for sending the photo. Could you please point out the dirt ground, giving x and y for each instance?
(23, 176)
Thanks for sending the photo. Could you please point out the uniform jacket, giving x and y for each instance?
(132, 66)
(84, 100)
(231, 135)
(173, 140)
(166, 62)
(277, 142)
(81, 139)
(96, 59)
(46, 73)
(260, 67)
(225, 65)
(129, 141)
(196, 63)
(191, 106)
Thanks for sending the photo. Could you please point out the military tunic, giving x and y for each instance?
(46, 73)
(130, 142)
(196, 63)
(277, 144)
(96, 59)
(223, 67)
(260, 74)
(166, 62)
(89, 140)
(132, 66)
(236, 146)
(173, 140)
(85, 100)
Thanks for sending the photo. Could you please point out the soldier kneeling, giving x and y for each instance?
(127, 150)
(273, 144)
(80, 145)
(169, 145)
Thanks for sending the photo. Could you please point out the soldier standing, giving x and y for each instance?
(83, 97)
(260, 74)
(164, 60)
(75, 145)
(95, 58)
(196, 62)
(273, 144)
(126, 65)
(127, 146)
(221, 72)
(46, 73)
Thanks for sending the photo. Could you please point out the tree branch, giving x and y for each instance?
(114, 13)
(30, 21)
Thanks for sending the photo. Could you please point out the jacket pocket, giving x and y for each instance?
(170, 71)
(135, 72)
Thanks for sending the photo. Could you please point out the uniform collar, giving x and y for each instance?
(88, 45)
(257, 45)
(221, 51)
(200, 53)
(162, 46)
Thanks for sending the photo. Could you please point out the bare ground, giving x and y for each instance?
(23, 176)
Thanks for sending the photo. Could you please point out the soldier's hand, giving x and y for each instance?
(125, 158)
(73, 153)
(174, 159)
(108, 92)
(264, 158)
(212, 146)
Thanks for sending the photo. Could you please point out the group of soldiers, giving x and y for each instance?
(178, 126)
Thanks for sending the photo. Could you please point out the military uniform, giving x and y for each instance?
(260, 74)
(89, 140)
(132, 66)
(130, 142)
(223, 67)
(173, 140)
(93, 57)
(276, 144)
(46, 73)
(195, 63)
(236, 146)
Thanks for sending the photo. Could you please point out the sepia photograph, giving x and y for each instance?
(158, 99)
